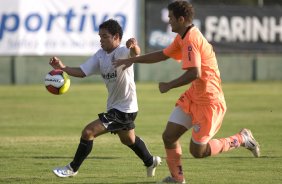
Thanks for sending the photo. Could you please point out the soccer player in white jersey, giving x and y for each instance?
(122, 104)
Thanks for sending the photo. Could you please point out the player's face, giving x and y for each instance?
(108, 41)
(173, 22)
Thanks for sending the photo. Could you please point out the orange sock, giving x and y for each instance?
(173, 161)
(225, 144)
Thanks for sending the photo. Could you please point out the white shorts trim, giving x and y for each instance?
(181, 118)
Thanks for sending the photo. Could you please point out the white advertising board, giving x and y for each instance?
(60, 27)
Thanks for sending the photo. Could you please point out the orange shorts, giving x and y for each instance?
(206, 119)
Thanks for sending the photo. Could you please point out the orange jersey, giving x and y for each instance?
(195, 51)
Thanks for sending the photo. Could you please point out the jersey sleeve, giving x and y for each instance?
(91, 66)
(174, 50)
(191, 52)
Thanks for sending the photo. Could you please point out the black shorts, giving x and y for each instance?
(115, 120)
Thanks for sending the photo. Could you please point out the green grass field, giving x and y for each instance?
(39, 131)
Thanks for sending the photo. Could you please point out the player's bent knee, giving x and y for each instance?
(199, 151)
(196, 154)
(167, 139)
(87, 134)
(127, 141)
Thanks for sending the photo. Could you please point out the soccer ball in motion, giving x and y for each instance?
(57, 82)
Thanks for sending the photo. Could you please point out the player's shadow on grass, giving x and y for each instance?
(234, 157)
(137, 182)
(66, 157)
(143, 182)
(248, 157)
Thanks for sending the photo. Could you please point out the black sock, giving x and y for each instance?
(83, 150)
(142, 152)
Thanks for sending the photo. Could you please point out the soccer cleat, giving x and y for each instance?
(170, 179)
(151, 169)
(250, 142)
(64, 172)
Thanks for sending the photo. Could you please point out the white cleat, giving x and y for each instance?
(151, 169)
(250, 142)
(170, 179)
(64, 172)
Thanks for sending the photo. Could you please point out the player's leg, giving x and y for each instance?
(216, 146)
(242, 139)
(173, 150)
(179, 122)
(124, 123)
(128, 137)
(209, 120)
(92, 130)
(199, 150)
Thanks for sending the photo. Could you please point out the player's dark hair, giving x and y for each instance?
(113, 27)
(182, 8)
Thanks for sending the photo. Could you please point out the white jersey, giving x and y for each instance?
(120, 84)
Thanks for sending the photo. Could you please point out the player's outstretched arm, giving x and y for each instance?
(56, 63)
(149, 58)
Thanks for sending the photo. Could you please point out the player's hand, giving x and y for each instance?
(56, 63)
(133, 46)
(125, 62)
(131, 43)
(164, 87)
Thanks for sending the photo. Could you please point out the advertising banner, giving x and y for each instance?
(227, 28)
(60, 27)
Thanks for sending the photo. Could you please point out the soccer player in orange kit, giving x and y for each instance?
(202, 107)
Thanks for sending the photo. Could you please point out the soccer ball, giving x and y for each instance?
(57, 82)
